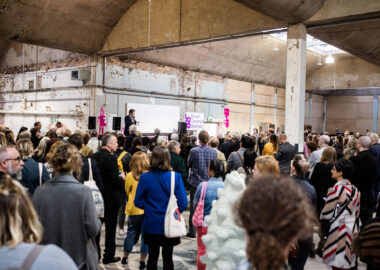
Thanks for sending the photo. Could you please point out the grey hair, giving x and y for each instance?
(60, 132)
(236, 135)
(160, 140)
(374, 138)
(157, 131)
(173, 145)
(365, 142)
(107, 138)
(174, 137)
(4, 152)
(132, 129)
(93, 133)
(325, 139)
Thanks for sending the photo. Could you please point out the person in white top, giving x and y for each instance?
(314, 158)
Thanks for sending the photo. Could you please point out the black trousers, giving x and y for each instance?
(110, 221)
(167, 256)
(192, 229)
(122, 210)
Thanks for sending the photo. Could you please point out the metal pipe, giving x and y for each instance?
(77, 113)
(42, 100)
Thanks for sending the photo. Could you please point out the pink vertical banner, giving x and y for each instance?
(102, 121)
(227, 117)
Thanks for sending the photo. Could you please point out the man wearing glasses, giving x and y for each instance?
(10, 162)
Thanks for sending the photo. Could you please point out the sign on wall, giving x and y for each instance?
(194, 121)
(227, 117)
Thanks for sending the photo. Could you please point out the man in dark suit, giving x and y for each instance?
(365, 172)
(129, 120)
(285, 155)
(113, 186)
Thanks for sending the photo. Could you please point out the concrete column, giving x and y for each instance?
(295, 84)
(375, 113)
(275, 110)
(252, 106)
(310, 109)
(324, 114)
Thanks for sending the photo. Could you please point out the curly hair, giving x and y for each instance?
(277, 214)
(66, 159)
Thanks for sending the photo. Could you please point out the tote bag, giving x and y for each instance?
(199, 212)
(174, 222)
(96, 195)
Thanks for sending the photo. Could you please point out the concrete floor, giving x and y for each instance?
(185, 256)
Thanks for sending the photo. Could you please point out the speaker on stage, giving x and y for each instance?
(182, 127)
(91, 122)
(116, 123)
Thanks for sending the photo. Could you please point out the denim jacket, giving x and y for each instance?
(213, 184)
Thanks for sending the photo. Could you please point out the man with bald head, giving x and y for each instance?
(365, 166)
(10, 162)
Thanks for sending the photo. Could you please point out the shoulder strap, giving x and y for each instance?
(90, 177)
(242, 161)
(40, 171)
(172, 183)
(162, 187)
(33, 255)
(203, 192)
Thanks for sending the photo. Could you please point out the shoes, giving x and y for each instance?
(190, 235)
(134, 250)
(111, 260)
(142, 266)
(124, 261)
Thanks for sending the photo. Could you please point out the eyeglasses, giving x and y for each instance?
(16, 159)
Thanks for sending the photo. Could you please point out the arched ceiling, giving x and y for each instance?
(73, 25)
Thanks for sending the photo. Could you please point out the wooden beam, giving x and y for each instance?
(367, 91)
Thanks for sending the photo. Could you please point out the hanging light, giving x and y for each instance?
(319, 60)
(330, 59)
(275, 47)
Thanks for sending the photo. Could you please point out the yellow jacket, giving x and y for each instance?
(130, 189)
(269, 149)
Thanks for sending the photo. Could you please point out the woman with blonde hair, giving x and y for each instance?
(3, 140)
(21, 231)
(67, 210)
(352, 148)
(139, 165)
(34, 174)
(265, 165)
(41, 150)
(278, 214)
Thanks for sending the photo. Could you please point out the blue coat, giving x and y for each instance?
(151, 197)
(31, 175)
(213, 184)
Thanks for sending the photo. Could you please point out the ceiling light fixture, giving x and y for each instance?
(275, 47)
(319, 60)
(330, 59)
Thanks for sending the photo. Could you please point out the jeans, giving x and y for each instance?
(135, 228)
(192, 229)
(201, 247)
(167, 257)
(122, 210)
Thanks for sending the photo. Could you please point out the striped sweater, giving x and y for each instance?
(338, 247)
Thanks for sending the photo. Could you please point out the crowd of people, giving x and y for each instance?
(57, 190)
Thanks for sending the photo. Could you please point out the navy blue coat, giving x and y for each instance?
(31, 175)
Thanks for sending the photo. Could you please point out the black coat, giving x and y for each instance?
(365, 165)
(129, 140)
(95, 173)
(285, 155)
(113, 184)
(128, 121)
(321, 180)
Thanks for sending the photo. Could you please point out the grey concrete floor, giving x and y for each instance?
(185, 255)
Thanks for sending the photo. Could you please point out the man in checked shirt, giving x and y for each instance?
(198, 161)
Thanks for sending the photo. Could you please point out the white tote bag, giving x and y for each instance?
(174, 222)
(96, 195)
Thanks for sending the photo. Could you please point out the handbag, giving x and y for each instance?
(174, 225)
(199, 212)
(96, 195)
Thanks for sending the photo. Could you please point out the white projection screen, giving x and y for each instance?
(151, 116)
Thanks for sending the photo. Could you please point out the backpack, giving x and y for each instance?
(120, 161)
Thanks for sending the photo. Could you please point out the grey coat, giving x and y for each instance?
(67, 213)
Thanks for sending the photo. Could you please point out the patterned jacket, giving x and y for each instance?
(338, 247)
